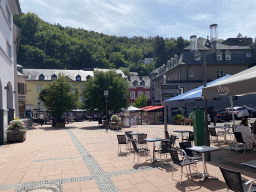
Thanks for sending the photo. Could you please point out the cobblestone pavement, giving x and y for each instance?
(84, 157)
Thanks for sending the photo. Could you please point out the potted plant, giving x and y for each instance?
(115, 120)
(178, 119)
(16, 131)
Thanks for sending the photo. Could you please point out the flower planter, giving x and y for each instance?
(59, 125)
(15, 136)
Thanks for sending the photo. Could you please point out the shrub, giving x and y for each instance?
(115, 118)
(17, 125)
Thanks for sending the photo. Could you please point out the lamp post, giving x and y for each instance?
(106, 96)
(211, 45)
(165, 110)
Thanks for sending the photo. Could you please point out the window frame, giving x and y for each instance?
(78, 76)
(132, 93)
(41, 77)
(189, 73)
(140, 93)
(219, 76)
(8, 49)
(53, 77)
(39, 87)
(147, 93)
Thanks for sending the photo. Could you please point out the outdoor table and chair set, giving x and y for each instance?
(137, 143)
(186, 155)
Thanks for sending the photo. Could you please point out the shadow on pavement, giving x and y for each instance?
(92, 128)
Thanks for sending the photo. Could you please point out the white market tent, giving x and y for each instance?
(242, 83)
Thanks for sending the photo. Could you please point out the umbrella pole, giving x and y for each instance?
(232, 109)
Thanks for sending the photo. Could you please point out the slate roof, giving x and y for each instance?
(33, 74)
(140, 80)
(118, 71)
(238, 56)
(201, 41)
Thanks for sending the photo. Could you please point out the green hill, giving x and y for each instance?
(49, 46)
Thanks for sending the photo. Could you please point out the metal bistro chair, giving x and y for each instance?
(129, 139)
(141, 142)
(213, 133)
(164, 149)
(180, 163)
(239, 140)
(189, 153)
(140, 151)
(234, 181)
(173, 139)
(122, 141)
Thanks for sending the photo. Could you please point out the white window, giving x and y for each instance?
(148, 94)
(220, 73)
(8, 15)
(9, 49)
(132, 95)
(227, 55)
(219, 55)
(39, 88)
(74, 86)
(191, 74)
(198, 59)
(140, 93)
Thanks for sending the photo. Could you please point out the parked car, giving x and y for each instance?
(223, 115)
(252, 111)
(239, 112)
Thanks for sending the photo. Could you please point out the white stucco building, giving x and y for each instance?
(9, 40)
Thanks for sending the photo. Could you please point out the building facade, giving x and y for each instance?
(22, 91)
(186, 72)
(9, 38)
(138, 85)
(37, 79)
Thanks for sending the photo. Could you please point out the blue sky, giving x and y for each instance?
(166, 18)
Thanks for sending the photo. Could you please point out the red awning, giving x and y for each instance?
(150, 108)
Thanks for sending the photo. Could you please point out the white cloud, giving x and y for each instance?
(200, 16)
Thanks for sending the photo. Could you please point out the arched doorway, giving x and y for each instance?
(10, 102)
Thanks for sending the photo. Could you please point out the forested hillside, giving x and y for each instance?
(49, 46)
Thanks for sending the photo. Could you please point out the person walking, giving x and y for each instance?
(41, 117)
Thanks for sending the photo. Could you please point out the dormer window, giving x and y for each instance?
(54, 77)
(88, 77)
(227, 55)
(41, 77)
(142, 83)
(78, 78)
(135, 83)
(219, 55)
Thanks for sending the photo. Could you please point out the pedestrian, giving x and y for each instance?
(41, 117)
(248, 137)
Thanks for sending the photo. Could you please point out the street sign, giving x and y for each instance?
(169, 86)
(169, 94)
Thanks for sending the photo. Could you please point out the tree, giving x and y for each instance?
(141, 101)
(59, 97)
(239, 35)
(93, 92)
